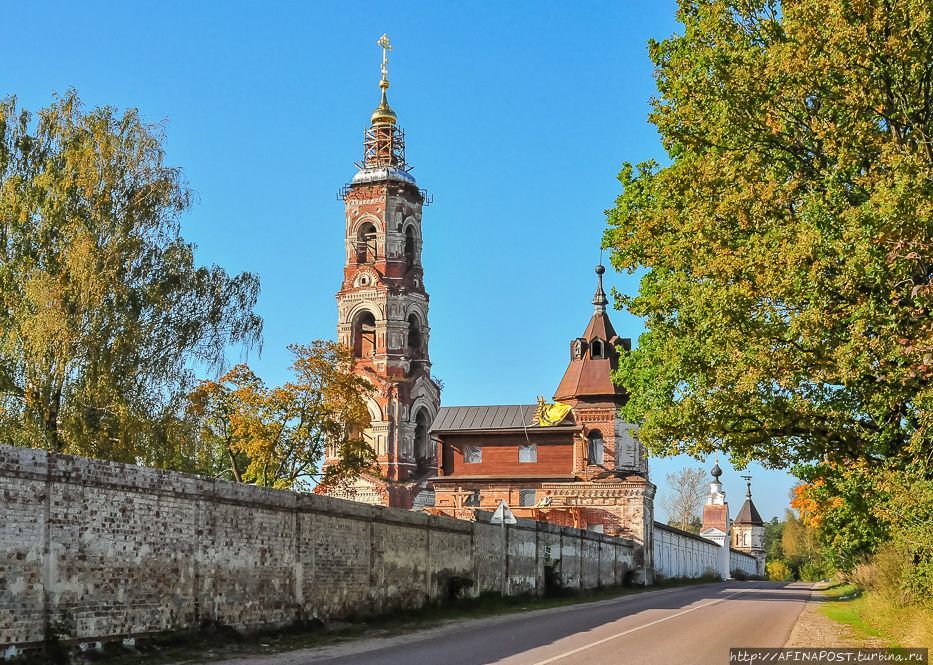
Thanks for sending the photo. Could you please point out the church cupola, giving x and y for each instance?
(594, 356)
(607, 444)
(715, 525)
(384, 141)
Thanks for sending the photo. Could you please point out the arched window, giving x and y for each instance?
(364, 335)
(596, 349)
(414, 337)
(366, 244)
(594, 448)
(409, 247)
(422, 440)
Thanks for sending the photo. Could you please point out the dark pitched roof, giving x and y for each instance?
(749, 514)
(495, 417)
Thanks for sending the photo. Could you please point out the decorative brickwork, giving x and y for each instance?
(382, 312)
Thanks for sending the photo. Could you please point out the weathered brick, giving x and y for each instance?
(122, 550)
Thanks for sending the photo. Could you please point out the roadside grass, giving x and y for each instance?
(873, 617)
(214, 642)
(848, 607)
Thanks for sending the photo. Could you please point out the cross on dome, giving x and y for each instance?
(384, 115)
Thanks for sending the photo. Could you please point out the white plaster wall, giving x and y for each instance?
(744, 562)
(679, 555)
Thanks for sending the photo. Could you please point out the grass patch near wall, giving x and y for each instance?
(872, 616)
(214, 643)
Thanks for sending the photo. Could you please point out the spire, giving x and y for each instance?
(384, 115)
(748, 514)
(599, 300)
(594, 356)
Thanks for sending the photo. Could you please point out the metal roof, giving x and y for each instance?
(749, 514)
(494, 417)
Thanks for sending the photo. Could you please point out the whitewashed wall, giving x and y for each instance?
(744, 562)
(681, 554)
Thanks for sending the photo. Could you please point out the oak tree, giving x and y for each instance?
(785, 250)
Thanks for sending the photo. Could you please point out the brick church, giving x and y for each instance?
(586, 470)
(582, 467)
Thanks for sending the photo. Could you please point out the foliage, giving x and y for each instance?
(779, 571)
(786, 248)
(277, 437)
(103, 311)
(773, 534)
(856, 513)
(683, 497)
(837, 508)
(803, 548)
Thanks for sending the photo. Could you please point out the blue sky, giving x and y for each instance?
(518, 117)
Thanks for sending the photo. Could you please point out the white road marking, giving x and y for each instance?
(632, 630)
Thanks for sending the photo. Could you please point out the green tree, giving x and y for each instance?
(785, 250)
(773, 534)
(778, 571)
(103, 311)
(278, 437)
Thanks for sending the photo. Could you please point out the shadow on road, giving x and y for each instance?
(481, 642)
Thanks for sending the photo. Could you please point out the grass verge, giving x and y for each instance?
(872, 617)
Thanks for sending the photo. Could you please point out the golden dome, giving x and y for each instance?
(383, 115)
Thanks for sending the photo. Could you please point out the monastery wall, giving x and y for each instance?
(105, 550)
(744, 562)
(682, 554)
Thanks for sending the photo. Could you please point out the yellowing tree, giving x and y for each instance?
(277, 437)
(103, 311)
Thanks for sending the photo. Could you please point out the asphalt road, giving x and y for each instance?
(690, 625)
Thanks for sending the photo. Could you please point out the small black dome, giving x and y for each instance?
(600, 269)
(716, 471)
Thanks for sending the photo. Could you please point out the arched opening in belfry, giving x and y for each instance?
(364, 335)
(415, 342)
(366, 243)
(422, 438)
(409, 247)
(596, 349)
(594, 447)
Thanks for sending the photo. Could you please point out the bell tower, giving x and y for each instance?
(382, 305)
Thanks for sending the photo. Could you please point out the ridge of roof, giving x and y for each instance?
(748, 514)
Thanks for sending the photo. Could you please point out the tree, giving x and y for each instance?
(786, 249)
(277, 437)
(773, 534)
(683, 498)
(103, 311)
(778, 571)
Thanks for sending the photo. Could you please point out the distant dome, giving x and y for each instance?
(715, 472)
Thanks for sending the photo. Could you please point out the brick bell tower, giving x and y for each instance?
(382, 308)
